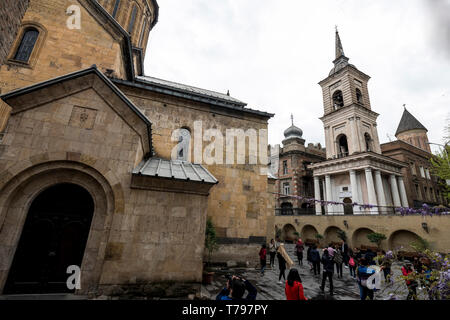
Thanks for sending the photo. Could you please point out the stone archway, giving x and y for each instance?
(17, 196)
(53, 238)
(288, 233)
(359, 238)
(401, 240)
(309, 233)
(331, 235)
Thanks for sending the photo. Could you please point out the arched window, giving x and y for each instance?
(184, 144)
(342, 146)
(359, 97)
(368, 141)
(132, 19)
(116, 8)
(27, 44)
(338, 100)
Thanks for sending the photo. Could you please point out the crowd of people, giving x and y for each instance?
(332, 260)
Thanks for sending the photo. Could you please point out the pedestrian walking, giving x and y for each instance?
(328, 270)
(235, 289)
(299, 247)
(345, 253)
(315, 259)
(272, 252)
(352, 266)
(263, 258)
(338, 260)
(363, 273)
(407, 271)
(282, 265)
(386, 264)
(294, 286)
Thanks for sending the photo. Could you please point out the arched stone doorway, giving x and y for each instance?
(348, 208)
(401, 240)
(18, 195)
(309, 234)
(53, 238)
(288, 234)
(331, 235)
(360, 239)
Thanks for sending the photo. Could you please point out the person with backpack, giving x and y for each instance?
(328, 270)
(363, 273)
(263, 258)
(352, 265)
(315, 260)
(338, 260)
(294, 286)
(299, 247)
(282, 265)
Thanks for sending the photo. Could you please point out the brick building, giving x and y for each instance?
(412, 148)
(293, 176)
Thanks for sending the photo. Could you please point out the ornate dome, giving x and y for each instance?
(293, 132)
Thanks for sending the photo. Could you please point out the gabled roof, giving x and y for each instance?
(20, 100)
(409, 122)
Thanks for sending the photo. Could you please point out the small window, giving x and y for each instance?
(184, 144)
(285, 167)
(27, 45)
(142, 33)
(368, 141)
(116, 8)
(428, 174)
(338, 100)
(422, 172)
(132, 19)
(359, 97)
(286, 188)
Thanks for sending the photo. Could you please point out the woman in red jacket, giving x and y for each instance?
(294, 287)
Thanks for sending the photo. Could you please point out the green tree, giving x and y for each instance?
(342, 235)
(440, 167)
(376, 238)
(210, 239)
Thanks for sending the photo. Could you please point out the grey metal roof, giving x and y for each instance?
(174, 169)
(191, 89)
(409, 122)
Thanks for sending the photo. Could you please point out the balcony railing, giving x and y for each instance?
(294, 211)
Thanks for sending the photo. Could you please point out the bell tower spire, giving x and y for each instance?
(339, 48)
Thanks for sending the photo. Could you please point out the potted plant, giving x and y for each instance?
(211, 246)
(376, 238)
(319, 238)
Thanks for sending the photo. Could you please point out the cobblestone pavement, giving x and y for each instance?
(269, 289)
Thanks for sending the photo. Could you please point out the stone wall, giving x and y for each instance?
(396, 228)
(238, 204)
(138, 237)
(11, 13)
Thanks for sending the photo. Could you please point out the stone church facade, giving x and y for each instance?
(85, 149)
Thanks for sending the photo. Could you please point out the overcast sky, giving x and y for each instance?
(272, 54)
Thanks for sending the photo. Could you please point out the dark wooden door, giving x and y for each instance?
(54, 237)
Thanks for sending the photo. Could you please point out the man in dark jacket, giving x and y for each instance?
(345, 253)
(328, 269)
(315, 259)
(235, 290)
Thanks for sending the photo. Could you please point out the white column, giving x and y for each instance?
(328, 191)
(380, 191)
(403, 197)
(371, 190)
(317, 195)
(394, 190)
(354, 186)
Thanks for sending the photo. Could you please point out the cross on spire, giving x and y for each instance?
(292, 119)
